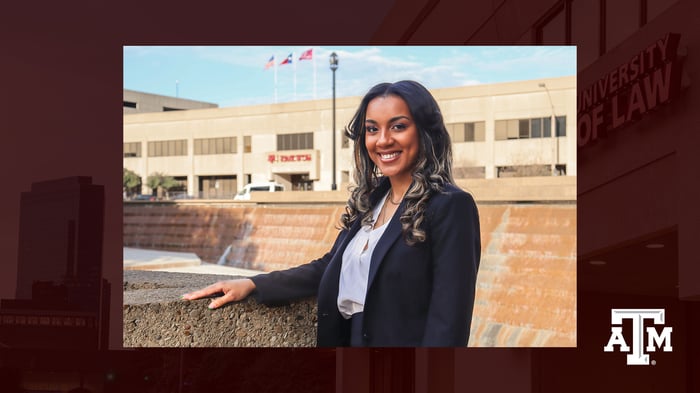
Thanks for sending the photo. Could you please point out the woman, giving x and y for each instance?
(402, 271)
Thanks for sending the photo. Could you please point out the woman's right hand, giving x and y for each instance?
(233, 290)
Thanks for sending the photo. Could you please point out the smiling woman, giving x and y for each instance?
(402, 271)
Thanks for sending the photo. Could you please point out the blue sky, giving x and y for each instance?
(235, 75)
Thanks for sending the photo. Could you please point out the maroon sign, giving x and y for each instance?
(649, 79)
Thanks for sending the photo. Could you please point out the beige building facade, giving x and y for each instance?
(139, 102)
(524, 128)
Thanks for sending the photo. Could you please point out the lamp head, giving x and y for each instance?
(334, 61)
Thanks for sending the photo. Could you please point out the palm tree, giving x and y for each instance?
(160, 182)
(131, 182)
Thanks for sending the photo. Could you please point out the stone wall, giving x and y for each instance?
(526, 288)
(156, 316)
(261, 237)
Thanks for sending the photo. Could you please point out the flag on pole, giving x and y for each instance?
(307, 55)
(270, 62)
(288, 60)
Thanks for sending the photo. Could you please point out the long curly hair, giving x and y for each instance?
(432, 170)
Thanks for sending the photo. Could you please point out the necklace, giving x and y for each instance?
(391, 197)
(382, 212)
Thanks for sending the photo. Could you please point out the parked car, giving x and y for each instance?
(182, 195)
(144, 197)
(244, 194)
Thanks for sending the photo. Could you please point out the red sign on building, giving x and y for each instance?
(273, 158)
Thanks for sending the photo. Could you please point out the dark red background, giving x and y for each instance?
(61, 83)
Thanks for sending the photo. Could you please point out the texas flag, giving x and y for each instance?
(288, 60)
(307, 55)
(270, 62)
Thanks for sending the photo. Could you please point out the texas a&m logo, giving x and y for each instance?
(654, 339)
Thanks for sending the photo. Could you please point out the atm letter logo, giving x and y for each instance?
(654, 339)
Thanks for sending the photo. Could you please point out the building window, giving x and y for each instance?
(560, 126)
(226, 145)
(132, 149)
(129, 104)
(466, 132)
(546, 127)
(302, 141)
(167, 148)
(168, 109)
(536, 128)
(523, 128)
(247, 144)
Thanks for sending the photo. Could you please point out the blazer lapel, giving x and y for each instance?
(336, 262)
(391, 234)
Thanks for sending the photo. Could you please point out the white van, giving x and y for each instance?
(244, 194)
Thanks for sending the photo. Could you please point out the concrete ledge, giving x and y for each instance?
(155, 316)
(522, 189)
(508, 189)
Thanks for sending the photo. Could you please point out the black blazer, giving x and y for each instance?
(420, 295)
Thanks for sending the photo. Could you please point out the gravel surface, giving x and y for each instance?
(155, 316)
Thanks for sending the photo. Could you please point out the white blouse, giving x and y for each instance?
(354, 272)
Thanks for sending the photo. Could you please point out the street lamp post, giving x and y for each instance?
(334, 66)
(553, 128)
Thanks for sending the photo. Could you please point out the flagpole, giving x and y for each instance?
(274, 65)
(295, 75)
(313, 59)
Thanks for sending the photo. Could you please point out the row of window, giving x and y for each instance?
(226, 145)
(215, 146)
(467, 132)
(301, 141)
(167, 148)
(459, 132)
(539, 127)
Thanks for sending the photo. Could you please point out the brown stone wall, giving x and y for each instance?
(526, 288)
(261, 237)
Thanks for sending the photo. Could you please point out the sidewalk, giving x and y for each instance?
(177, 262)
